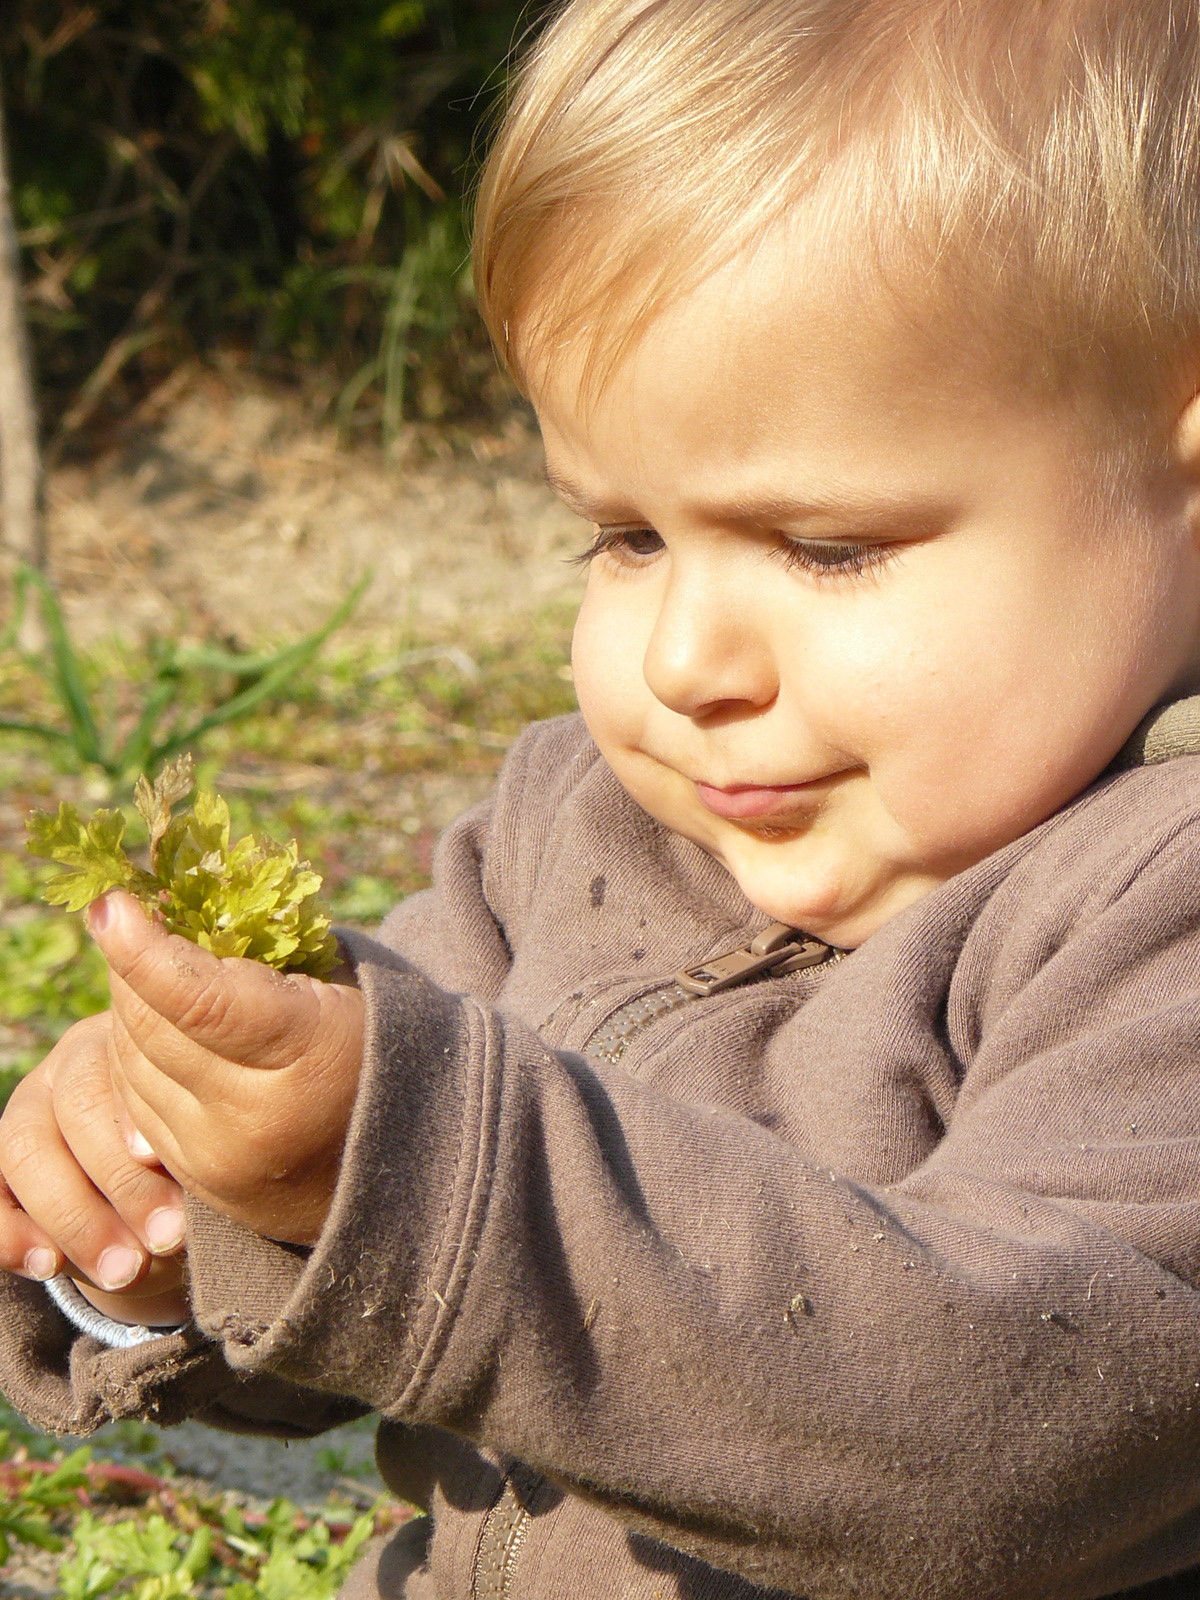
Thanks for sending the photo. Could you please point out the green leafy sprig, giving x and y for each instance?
(252, 898)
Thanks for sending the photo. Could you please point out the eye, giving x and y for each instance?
(825, 557)
(632, 545)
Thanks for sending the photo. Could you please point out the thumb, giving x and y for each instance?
(236, 1009)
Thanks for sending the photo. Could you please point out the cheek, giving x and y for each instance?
(609, 646)
(983, 717)
(950, 694)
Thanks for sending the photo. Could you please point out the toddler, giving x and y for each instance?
(767, 1161)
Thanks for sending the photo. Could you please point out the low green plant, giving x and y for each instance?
(137, 1530)
(167, 723)
(253, 898)
(28, 1505)
(297, 1563)
(49, 970)
(110, 1554)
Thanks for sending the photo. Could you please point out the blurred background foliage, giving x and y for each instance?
(282, 179)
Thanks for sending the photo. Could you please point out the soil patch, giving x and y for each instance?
(219, 509)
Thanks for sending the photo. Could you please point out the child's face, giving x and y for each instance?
(859, 619)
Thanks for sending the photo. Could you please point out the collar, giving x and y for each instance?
(1170, 730)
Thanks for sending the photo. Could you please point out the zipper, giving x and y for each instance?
(505, 1531)
(775, 951)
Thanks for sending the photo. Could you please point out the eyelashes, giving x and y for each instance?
(635, 547)
(824, 557)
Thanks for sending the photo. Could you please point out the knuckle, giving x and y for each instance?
(128, 1187)
(206, 1010)
(75, 1229)
(84, 1093)
(134, 1014)
(22, 1145)
(87, 1031)
(32, 1088)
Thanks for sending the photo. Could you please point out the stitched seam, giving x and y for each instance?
(455, 1274)
(427, 1286)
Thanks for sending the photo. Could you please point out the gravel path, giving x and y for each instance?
(305, 1471)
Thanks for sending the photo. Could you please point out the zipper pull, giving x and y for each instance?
(777, 949)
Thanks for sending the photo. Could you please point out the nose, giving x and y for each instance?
(709, 655)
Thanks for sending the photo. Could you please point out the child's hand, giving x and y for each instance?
(241, 1078)
(76, 1197)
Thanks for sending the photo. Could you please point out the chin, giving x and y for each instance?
(805, 894)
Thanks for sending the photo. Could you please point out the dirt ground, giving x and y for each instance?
(219, 511)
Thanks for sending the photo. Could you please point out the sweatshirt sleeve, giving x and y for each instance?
(978, 1376)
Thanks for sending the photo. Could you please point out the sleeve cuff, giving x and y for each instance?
(106, 1330)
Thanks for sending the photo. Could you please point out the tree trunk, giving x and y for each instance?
(21, 494)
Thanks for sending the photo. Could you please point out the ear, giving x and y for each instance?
(1185, 442)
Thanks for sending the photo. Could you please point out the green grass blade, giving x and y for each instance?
(136, 754)
(20, 602)
(354, 390)
(208, 659)
(276, 674)
(67, 678)
(10, 725)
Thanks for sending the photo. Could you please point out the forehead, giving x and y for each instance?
(788, 376)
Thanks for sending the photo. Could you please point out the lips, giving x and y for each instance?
(756, 800)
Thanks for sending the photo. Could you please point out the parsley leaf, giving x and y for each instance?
(251, 898)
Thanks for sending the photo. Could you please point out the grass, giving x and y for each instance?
(373, 752)
(96, 1528)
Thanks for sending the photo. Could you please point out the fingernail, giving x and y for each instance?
(140, 1147)
(41, 1264)
(165, 1229)
(118, 1266)
(98, 914)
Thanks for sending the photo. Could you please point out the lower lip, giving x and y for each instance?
(753, 802)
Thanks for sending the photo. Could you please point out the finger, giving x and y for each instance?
(85, 1108)
(47, 1182)
(193, 1095)
(327, 1036)
(192, 1106)
(191, 1135)
(154, 1305)
(237, 1010)
(25, 1249)
(139, 1147)
(281, 1177)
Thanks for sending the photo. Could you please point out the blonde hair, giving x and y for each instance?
(1035, 163)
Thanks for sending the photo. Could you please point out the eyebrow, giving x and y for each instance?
(911, 515)
(574, 496)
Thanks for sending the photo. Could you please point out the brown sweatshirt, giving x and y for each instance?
(878, 1279)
